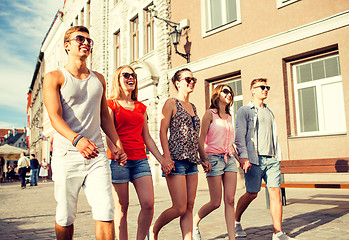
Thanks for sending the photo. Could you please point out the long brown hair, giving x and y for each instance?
(115, 90)
(215, 98)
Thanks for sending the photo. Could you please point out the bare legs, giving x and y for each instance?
(121, 207)
(275, 206)
(145, 192)
(215, 189)
(104, 231)
(64, 233)
(183, 191)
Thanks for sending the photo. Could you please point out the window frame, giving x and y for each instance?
(280, 3)
(318, 83)
(117, 48)
(205, 15)
(134, 37)
(148, 22)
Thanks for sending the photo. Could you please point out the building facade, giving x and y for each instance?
(300, 46)
(124, 32)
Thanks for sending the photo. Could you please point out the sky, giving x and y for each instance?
(23, 26)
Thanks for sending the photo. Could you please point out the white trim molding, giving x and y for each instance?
(306, 31)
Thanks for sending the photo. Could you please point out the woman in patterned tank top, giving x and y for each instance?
(180, 117)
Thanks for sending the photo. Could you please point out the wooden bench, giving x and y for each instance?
(306, 166)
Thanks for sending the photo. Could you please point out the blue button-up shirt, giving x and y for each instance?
(246, 133)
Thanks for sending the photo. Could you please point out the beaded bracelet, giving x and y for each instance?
(77, 140)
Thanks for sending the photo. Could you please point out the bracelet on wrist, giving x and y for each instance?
(77, 140)
(72, 142)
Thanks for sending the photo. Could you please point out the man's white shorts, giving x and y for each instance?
(71, 172)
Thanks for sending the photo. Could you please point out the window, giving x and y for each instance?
(134, 37)
(319, 98)
(82, 17)
(148, 31)
(235, 84)
(117, 49)
(282, 3)
(220, 13)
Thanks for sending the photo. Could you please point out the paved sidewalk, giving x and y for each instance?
(309, 214)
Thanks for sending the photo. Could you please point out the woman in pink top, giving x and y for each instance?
(217, 129)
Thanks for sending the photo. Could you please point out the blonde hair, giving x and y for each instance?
(254, 81)
(215, 98)
(115, 90)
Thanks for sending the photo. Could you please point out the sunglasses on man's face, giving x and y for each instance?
(226, 91)
(129, 75)
(189, 79)
(81, 39)
(263, 87)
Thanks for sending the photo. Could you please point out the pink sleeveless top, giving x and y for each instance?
(220, 136)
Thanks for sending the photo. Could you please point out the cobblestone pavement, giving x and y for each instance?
(309, 214)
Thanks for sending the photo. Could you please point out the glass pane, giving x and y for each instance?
(231, 10)
(318, 70)
(308, 113)
(304, 73)
(148, 38)
(234, 109)
(333, 107)
(236, 86)
(216, 13)
(332, 67)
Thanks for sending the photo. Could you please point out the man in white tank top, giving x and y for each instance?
(75, 100)
(257, 144)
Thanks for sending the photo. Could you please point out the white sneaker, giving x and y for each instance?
(283, 236)
(196, 233)
(239, 231)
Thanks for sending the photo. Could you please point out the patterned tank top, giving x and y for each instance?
(184, 134)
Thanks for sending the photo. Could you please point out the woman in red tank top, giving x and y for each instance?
(129, 116)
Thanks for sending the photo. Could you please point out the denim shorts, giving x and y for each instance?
(132, 170)
(184, 167)
(219, 166)
(268, 169)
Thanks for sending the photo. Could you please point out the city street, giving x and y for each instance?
(309, 214)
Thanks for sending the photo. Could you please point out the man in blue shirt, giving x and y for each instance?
(34, 166)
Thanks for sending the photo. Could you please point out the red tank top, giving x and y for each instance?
(129, 126)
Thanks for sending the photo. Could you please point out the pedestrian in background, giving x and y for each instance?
(23, 165)
(34, 170)
(130, 120)
(43, 170)
(180, 117)
(217, 131)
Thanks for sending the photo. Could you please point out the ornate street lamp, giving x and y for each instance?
(175, 35)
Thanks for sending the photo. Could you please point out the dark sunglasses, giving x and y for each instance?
(81, 39)
(226, 91)
(263, 87)
(189, 79)
(128, 75)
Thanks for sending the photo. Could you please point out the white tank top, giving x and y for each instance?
(81, 103)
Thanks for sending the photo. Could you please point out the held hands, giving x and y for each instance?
(245, 164)
(167, 165)
(206, 165)
(119, 156)
(87, 148)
